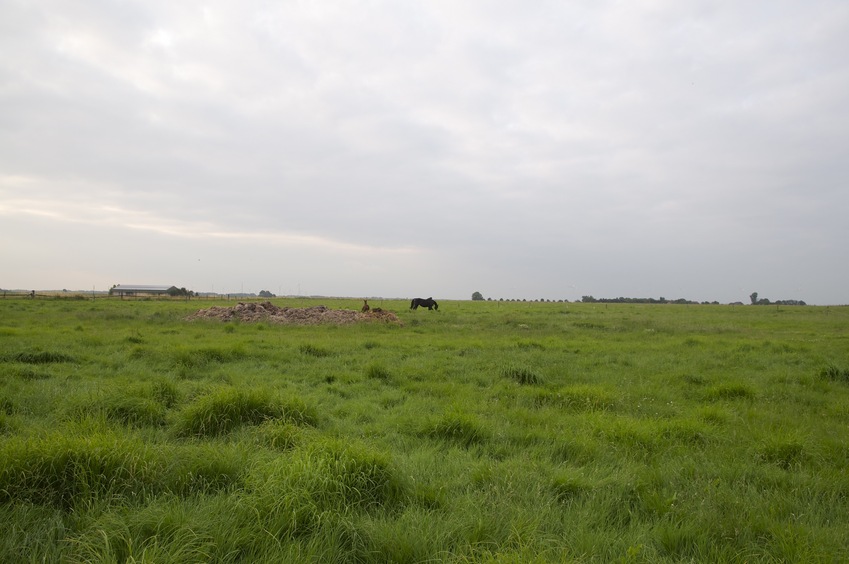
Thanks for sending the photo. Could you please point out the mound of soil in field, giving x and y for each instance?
(267, 311)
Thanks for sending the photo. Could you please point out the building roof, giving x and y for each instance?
(140, 288)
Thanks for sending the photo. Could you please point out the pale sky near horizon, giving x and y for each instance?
(694, 150)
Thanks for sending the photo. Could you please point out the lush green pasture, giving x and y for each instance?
(486, 431)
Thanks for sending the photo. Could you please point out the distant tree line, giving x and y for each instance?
(527, 300)
(764, 301)
(621, 300)
(478, 297)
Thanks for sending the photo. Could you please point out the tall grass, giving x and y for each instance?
(488, 432)
(225, 409)
(70, 469)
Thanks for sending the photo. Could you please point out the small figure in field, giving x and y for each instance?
(365, 306)
(429, 303)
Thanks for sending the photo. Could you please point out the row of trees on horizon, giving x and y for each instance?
(477, 296)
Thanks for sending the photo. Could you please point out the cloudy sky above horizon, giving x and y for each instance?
(551, 150)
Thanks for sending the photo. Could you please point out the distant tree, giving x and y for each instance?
(790, 302)
(266, 294)
(174, 292)
(477, 297)
(754, 297)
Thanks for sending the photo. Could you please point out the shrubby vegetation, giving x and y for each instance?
(764, 301)
(683, 301)
(661, 300)
(176, 292)
(491, 432)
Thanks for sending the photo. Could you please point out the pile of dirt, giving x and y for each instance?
(267, 311)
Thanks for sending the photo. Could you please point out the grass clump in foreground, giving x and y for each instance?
(835, 374)
(79, 467)
(438, 440)
(223, 410)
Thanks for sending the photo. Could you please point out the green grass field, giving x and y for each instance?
(484, 432)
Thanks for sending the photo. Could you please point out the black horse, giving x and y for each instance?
(429, 303)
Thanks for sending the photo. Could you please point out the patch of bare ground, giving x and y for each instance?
(316, 315)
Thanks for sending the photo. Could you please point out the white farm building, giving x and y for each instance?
(139, 290)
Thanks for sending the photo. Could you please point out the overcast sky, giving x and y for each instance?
(533, 150)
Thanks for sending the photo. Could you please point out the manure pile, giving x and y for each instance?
(266, 311)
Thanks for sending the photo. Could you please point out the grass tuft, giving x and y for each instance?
(575, 450)
(785, 454)
(835, 374)
(185, 358)
(730, 391)
(377, 371)
(7, 424)
(62, 471)
(165, 392)
(314, 350)
(577, 398)
(30, 374)
(685, 432)
(125, 409)
(7, 406)
(201, 468)
(279, 435)
(39, 357)
(523, 376)
(694, 379)
(226, 409)
(351, 475)
(570, 484)
(460, 428)
(322, 483)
